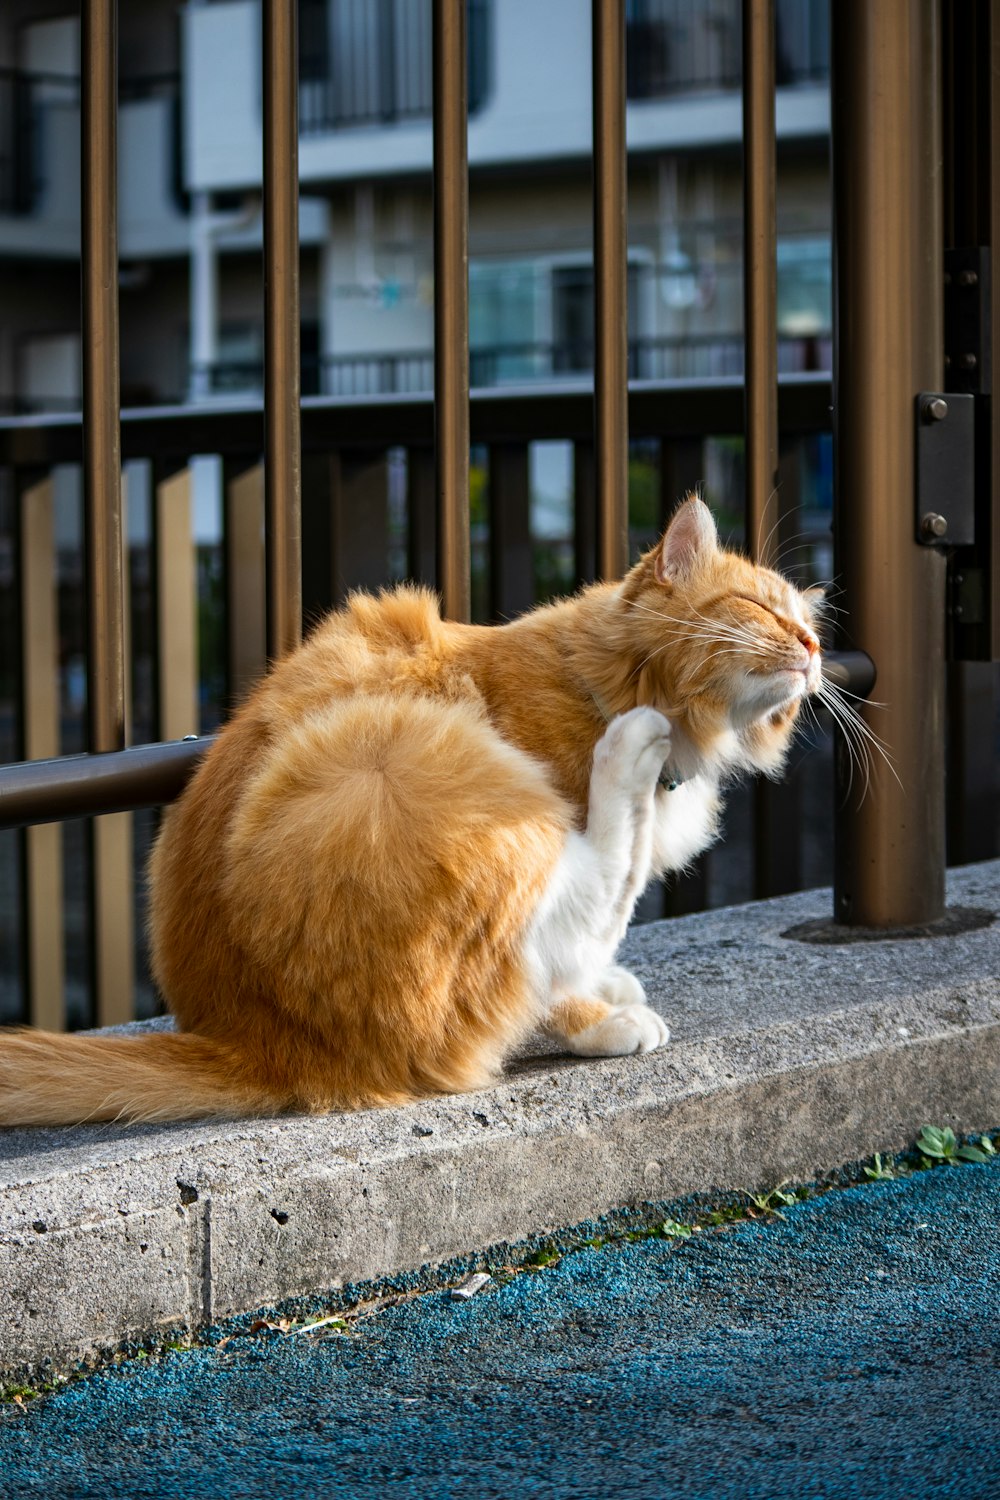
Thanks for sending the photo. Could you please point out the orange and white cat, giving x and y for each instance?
(416, 841)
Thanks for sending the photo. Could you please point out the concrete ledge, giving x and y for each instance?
(788, 1059)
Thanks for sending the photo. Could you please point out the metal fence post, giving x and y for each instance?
(887, 164)
(101, 433)
(610, 306)
(282, 380)
(451, 305)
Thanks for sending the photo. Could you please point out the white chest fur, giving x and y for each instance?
(686, 821)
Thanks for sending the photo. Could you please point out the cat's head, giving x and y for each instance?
(726, 647)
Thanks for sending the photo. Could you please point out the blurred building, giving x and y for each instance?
(190, 175)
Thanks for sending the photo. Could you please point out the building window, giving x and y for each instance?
(368, 62)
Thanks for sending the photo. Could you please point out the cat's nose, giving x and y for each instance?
(809, 641)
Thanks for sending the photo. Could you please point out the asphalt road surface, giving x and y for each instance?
(849, 1350)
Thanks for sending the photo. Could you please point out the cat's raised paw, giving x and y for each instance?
(626, 1029)
(634, 748)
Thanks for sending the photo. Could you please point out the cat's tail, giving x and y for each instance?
(49, 1078)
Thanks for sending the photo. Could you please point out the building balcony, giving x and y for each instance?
(370, 64)
(410, 372)
(40, 165)
(674, 47)
(365, 84)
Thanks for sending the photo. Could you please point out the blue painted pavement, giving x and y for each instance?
(852, 1349)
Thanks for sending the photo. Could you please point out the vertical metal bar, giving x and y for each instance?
(682, 468)
(176, 589)
(993, 577)
(584, 514)
(512, 572)
(110, 849)
(101, 437)
(610, 308)
(971, 88)
(243, 529)
(111, 862)
(359, 506)
(41, 847)
(421, 517)
(322, 534)
(113, 954)
(887, 170)
(283, 472)
(972, 762)
(760, 277)
(451, 304)
(775, 841)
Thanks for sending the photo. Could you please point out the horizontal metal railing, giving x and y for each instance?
(669, 409)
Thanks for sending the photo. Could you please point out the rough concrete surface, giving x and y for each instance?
(787, 1059)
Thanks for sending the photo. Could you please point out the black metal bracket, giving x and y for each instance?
(967, 360)
(946, 465)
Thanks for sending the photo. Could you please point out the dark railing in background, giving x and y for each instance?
(368, 62)
(687, 357)
(674, 47)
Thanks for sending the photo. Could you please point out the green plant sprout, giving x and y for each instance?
(882, 1171)
(939, 1147)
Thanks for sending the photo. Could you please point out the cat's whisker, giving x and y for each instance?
(857, 697)
(854, 752)
(859, 735)
(762, 550)
(829, 691)
(814, 705)
(796, 542)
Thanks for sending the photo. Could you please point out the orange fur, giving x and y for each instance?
(572, 1016)
(341, 895)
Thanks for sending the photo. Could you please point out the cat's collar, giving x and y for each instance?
(667, 779)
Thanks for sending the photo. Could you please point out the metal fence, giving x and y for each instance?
(306, 475)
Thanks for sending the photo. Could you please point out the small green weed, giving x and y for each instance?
(883, 1171)
(548, 1255)
(19, 1393)
(674, 1229)
(766, 1203)
(728, 1213)
(939, 1146)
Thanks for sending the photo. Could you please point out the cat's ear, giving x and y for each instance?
(691, 537)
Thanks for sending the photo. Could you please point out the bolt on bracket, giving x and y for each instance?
(945, 469)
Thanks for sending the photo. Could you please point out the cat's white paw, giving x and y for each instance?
(628, 1029)
(618, 987)
(634, 748)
